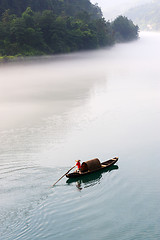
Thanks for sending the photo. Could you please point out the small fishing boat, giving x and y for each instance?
(92, 166)
(93, 178)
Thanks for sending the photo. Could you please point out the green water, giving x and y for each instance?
(81, 106)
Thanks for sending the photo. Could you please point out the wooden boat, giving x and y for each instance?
(92, 166)
(93, 178)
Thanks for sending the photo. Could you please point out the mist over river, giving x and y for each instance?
(102, 104)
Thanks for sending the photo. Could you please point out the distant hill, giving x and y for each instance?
(114, 8)
(146, 16)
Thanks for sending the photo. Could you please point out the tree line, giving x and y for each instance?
(45, 32)
(58, 7)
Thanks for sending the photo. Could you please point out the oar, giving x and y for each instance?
(63, 176)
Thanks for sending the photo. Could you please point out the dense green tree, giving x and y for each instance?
(55, 31)
(68, 7)
(124, 29)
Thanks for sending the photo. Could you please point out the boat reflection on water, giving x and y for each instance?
(91, 179)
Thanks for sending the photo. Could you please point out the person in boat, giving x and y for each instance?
(78, 165)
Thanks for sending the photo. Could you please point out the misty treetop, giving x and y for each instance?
(124, 29)
(55, 31)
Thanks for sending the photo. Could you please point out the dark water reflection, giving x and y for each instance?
(91, 179)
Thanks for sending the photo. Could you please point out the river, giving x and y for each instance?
(102, 104)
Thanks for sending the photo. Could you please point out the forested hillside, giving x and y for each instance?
(146, 16)
(58, 7)
(57, 26)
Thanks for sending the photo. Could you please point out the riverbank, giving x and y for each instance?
(21, 58)
(4, 59)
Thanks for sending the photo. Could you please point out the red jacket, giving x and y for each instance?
(78, 164)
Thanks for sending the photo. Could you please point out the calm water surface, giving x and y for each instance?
(80, 106)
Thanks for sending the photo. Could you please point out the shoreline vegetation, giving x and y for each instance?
(63, 28)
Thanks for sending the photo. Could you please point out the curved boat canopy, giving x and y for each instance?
(91, 165)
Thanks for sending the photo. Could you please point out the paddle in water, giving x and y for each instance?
(63, 176)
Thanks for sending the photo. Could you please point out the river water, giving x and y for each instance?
(103, 104)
